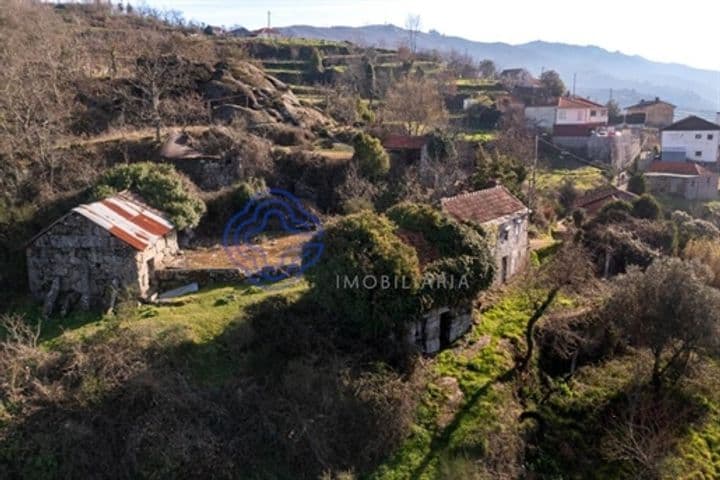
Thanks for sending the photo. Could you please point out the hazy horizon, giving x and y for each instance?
(683, 36)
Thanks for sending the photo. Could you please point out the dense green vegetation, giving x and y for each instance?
(159, 185)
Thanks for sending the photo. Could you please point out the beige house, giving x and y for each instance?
(658, 113)
(98, 250)
(502, 215)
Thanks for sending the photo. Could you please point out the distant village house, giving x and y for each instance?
(406, 149)
(692, 138)
(503, 214)
(567, 116)
(98, 250)
(688, 180)
(658, 113)
(593, 201)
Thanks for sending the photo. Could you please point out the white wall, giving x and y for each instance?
(542, 117)
(580, 116)
(707, 147)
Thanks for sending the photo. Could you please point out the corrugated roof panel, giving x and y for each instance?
(128, 218)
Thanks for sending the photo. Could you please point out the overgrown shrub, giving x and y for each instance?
(636, 184)
(371, 157)
(465, 266)
(360, 251)
(222, 205)
(160, 186)
(646, 207)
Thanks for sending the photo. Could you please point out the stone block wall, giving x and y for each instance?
(176, 277)
(85, 258)
(439, 328)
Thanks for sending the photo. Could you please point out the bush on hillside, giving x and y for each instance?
(360, 251)
(707, 253)
(466, 266)
(370, 156)
(636, 184)
(160, 186)
(690, 228)
(646, 207)
(227, 202)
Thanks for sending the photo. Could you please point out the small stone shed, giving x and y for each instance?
(683, 179)
(504, 217)
(98, 250)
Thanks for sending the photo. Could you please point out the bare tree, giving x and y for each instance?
(412, 25)
(158, 72)
(416, 103)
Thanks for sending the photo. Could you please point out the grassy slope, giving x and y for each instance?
(479, 365)
(197, 319)
(584, 178)
(449, 435)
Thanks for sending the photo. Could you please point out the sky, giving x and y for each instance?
(681, 32)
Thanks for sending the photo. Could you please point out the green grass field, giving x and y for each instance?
(584, 178)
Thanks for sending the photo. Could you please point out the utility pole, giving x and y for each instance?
(534, 174)
(574, 82)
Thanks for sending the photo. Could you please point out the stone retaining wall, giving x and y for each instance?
(176, 277)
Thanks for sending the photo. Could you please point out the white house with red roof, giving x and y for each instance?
(568, 115)
(503, 216)
(98, 250)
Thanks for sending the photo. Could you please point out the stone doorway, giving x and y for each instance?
(446, 320)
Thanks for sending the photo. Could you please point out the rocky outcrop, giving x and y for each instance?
(244, 91)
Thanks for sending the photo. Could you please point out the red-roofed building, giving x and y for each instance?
(568, 115)
(113, 245)
(685, 179)
(408, 148)
(503, 216)
(594, 200)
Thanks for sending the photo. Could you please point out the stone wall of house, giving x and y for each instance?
(85, 258)
(428, 334)
(616, 151)
(511, 246)
(154, 259)
(691, 188)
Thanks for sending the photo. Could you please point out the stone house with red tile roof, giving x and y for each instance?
(408, 149)
(504, 217)
(594, 200)
(98, 250)
(684, 179)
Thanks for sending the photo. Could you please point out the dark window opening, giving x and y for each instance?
(445, 329)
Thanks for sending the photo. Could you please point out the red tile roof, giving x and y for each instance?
(594, 200)
(678, 168)
(404, 142)
(577, 102)
(483, 205)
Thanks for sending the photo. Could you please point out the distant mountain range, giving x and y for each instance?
(598, 71)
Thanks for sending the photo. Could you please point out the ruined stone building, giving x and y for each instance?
(99, 250)
(502, 216)
(440, 327)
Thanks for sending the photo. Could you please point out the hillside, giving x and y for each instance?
(631, 77)
(150, 344)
